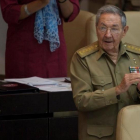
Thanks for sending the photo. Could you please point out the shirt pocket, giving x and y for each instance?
(102, 82)
(99, 130)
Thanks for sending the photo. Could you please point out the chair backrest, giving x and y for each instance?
(78, 33)
(133, 34)
(135, 2)
(128, 123)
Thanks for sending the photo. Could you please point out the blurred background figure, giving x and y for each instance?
(125, 5)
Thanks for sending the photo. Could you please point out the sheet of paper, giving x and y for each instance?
(33, 81)
(54, 88)
(59, 86)
(45, 84)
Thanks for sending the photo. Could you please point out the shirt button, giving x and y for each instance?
(100, 134)
(121, 101)
(102, 82)
(110, 101)
(79, 100)
(117, 71)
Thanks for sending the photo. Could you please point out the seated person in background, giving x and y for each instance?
(35, 44)
(125, 5)
(101, 80)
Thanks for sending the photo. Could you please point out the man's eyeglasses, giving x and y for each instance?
(113, 30)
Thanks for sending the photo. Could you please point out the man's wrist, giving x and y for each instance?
(117, 91)
(61, 1)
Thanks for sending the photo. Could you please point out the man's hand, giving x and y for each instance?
(128, 80)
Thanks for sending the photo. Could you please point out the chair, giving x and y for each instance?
(128, 123)
(133, 34)
(78, 33)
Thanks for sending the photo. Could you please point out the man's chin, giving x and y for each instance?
(108, 46)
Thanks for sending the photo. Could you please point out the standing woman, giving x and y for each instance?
(35, 43)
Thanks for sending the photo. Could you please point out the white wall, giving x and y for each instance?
(3, 30)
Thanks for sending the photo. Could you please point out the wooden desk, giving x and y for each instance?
(30, 116)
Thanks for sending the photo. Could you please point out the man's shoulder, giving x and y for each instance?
(85, 51)
(132, 48)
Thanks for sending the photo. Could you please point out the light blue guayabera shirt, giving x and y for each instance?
(46, 25)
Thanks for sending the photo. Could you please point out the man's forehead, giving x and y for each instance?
(105, 18)
(110, 16)
(114, 25)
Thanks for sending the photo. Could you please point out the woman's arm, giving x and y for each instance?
(13, 11)
(32, 7)
(69, 9)
(66, 8)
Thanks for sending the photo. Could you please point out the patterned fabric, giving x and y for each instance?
(46, 25)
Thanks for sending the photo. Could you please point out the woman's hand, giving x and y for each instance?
(127, 81)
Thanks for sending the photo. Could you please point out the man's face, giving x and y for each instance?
(110, 32)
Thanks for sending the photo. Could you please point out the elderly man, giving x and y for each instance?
(104, 76)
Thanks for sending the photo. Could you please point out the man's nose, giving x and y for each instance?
(108, 33)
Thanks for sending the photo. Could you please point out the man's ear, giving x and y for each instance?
(125, 29)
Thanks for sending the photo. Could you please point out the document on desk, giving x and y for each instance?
(33, 81)
(59, 86)
(44, 84)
